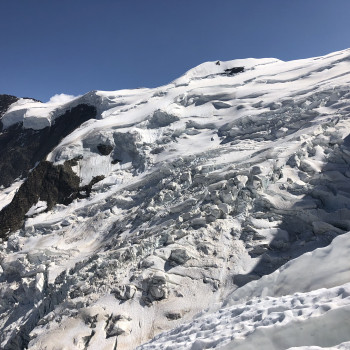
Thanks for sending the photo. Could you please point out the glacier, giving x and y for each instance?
(211, 212)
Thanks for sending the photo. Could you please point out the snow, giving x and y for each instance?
(37, 208)
(181, 101)
(213, 181)
(326, 268)
(208, 69)
(7, 194)
(306, 302)
(37, 115)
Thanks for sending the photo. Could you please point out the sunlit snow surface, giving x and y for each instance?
(287, 308)
(233, 176)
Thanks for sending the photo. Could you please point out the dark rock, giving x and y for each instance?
(22, 148)
(5, 102)
(172, 316)
(178, 257)
(74, 161)
(31, 98)
(49, 183)
(234, 70)
(87, 188)
(156, 287)
(105, 150)
(116, 161)
(157, 150)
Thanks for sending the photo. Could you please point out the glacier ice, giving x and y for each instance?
(220, 216)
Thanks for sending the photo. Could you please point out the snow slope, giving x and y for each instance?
(210, 183)
(306, 302)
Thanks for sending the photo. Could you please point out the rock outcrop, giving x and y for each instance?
(53, 184)
(22, 148)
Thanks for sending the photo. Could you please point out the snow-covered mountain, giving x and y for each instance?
(209, 212)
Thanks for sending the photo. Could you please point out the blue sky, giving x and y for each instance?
(74, 46)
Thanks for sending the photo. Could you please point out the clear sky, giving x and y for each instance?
(74, 46)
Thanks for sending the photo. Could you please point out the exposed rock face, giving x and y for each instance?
(173, 316)
(48, 183)
(105, 150)
(5, 102)
(234, 70)
(22, 148)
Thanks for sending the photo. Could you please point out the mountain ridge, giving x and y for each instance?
(183, 194)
